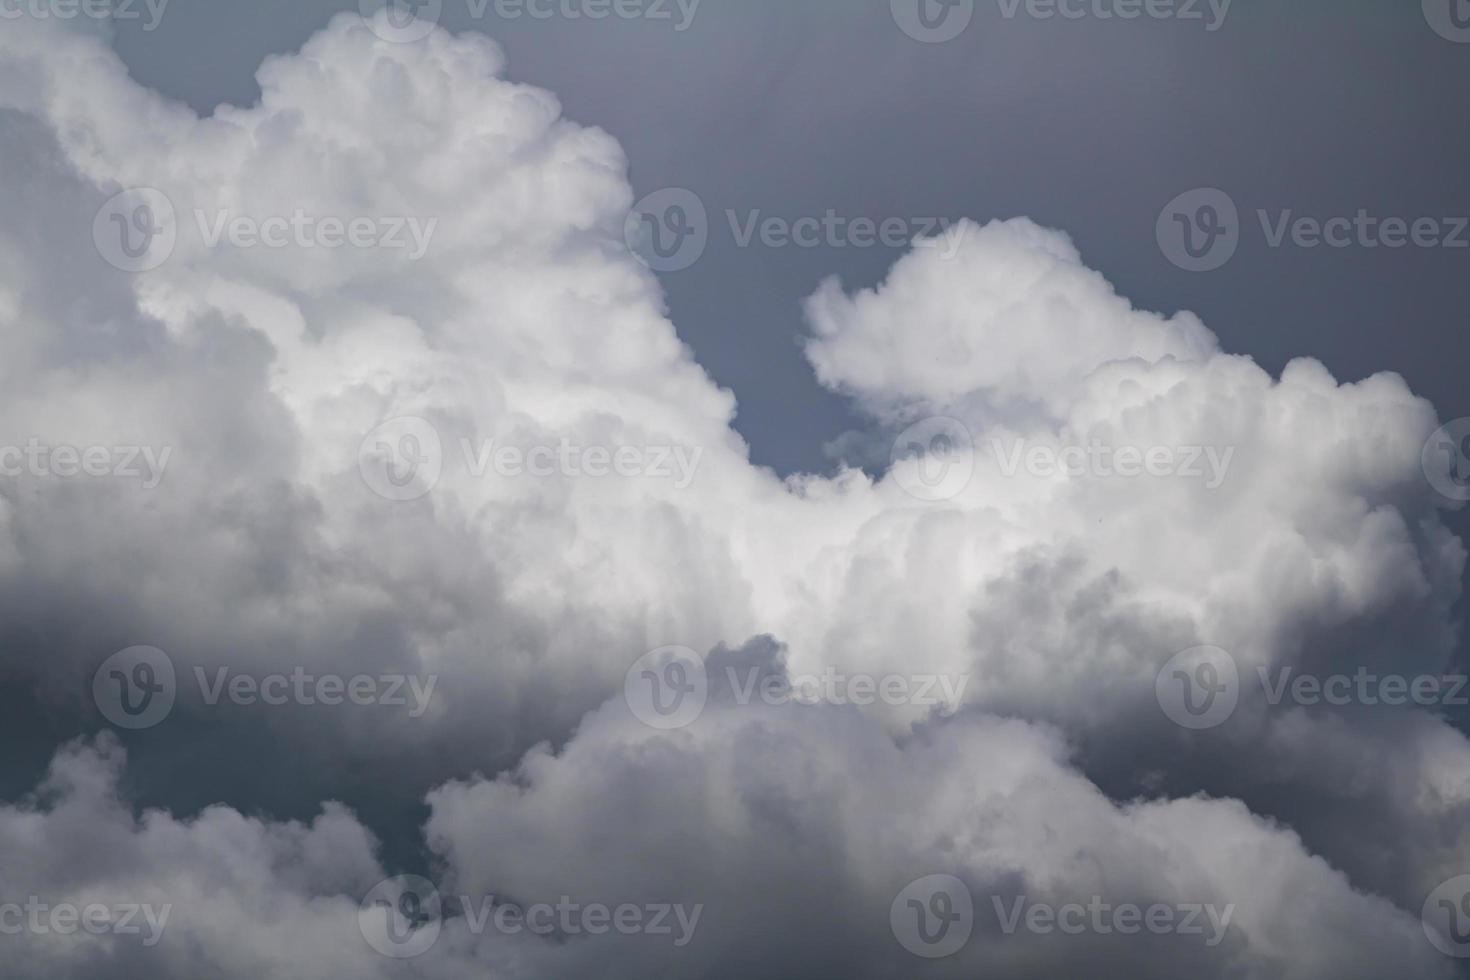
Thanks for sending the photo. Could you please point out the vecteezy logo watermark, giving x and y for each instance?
(120, 10)
(934, 459)
(668, 230)
(667, 688)
(1446, 917)
(136, 688)
(1211, 12)
(1446, 460)
(65, 919)
(933, 917)
(403, 460)
(406, 21)
(1449, 18)
(1200, 230)
(402, 917)
(1198, 688)
(933, 21)
(67, 462)
(135, 230)
(1103, 918)
(1208, 464)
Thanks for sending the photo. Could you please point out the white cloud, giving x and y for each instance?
(526, 322)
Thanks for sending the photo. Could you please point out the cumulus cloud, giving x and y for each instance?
(1284, 520)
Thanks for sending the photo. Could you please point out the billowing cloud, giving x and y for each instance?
(383, 398)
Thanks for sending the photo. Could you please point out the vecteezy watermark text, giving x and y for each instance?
(934, 917)
(1209, 464)
(407, 21)
(1200, 230)
(119, 10)
(402, 917)
(95, 918)
(1201, 688)
(938, 21)
(1103, 918)
(137, 230)
(404, 459)
(669, 230)
(302, 229)
(1211, 13)
(145, 463)
(833, 687)
(668, 688)
(136, 688)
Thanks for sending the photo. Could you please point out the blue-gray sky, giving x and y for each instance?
(1322, 107)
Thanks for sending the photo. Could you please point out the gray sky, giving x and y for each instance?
(1322, 107)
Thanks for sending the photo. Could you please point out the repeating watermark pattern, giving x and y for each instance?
(1446, 460)
(1446, 917)
(136, 688)
(938, 21)
(1198, 688)
(1200, 230)
(125, 11)
(35, 917)
(403, 459)
(1201, 688)
(1208, 464)
(933, 460)
(933, 917)
(1450, 19)
(1100, 917)
(407, 21)
(668, 688)
(669, 231)
(37, 459)
(402, 917)
(137, 230)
